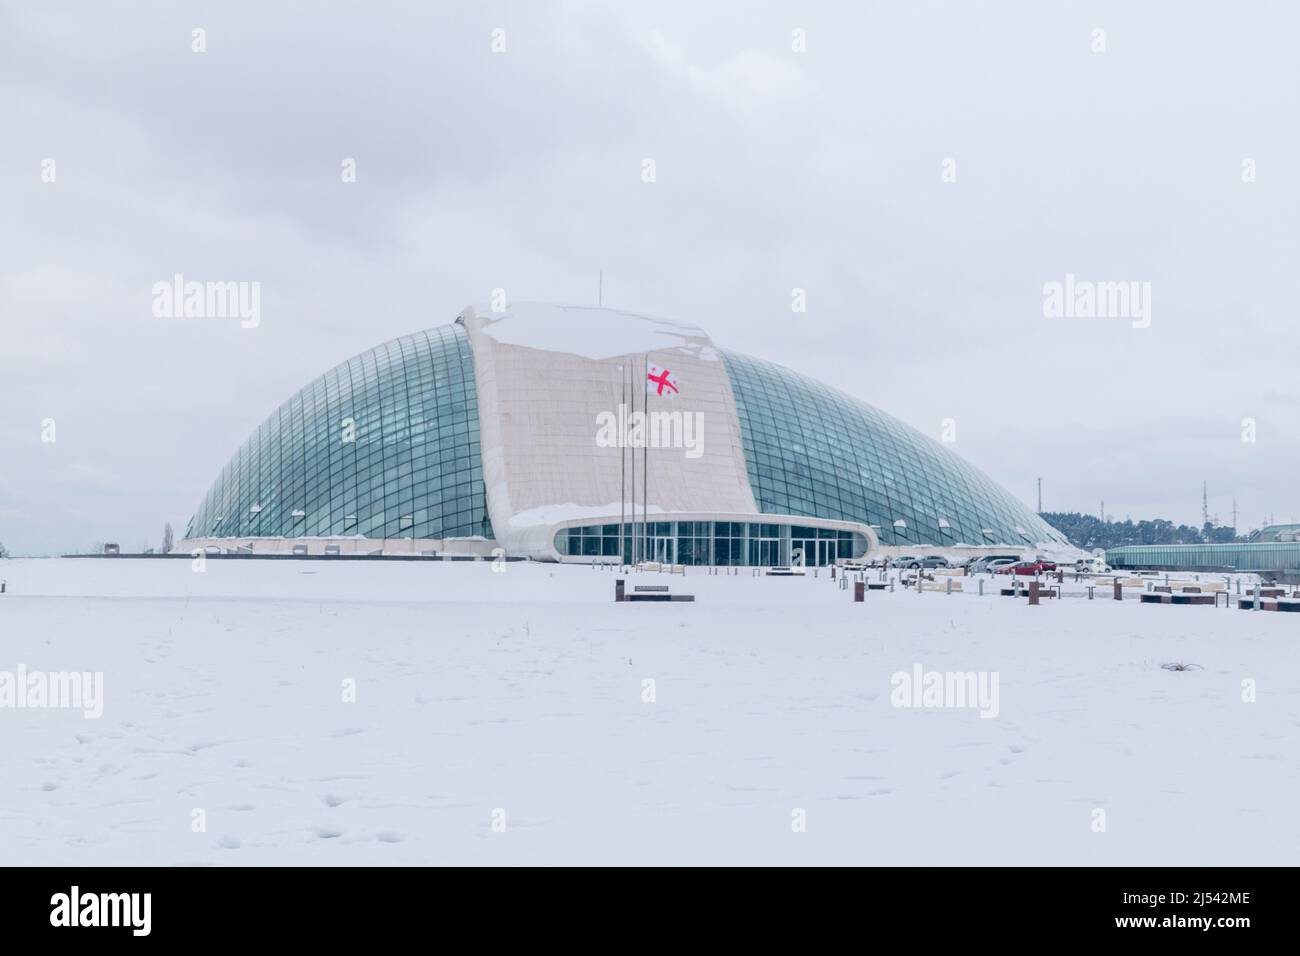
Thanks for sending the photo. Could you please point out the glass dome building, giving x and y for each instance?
(481, 437)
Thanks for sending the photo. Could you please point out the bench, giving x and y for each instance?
(1156, 597)
(1276, 604)
(647, 592)
(936, 586)
(1053, 590)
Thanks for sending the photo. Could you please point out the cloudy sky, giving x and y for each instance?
(922, 170)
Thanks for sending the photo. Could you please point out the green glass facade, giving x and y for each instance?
(715, 543)
(385, 445)
(817, 452)
(1274, 557)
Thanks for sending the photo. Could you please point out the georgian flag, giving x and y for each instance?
(663, 380)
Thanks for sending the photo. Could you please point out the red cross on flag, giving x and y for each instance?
(663, 380)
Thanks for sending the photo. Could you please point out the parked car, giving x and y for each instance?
(1096, 564)
(905, 561)
(988, 561)
(1026, 568)
(935, 561)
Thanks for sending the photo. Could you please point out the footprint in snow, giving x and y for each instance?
(228, 843)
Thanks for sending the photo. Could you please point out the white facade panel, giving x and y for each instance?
(555, 420)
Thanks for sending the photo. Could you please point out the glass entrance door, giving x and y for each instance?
(765, 552)
(817, 553)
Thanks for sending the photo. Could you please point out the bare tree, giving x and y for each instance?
(3, 552)
(168, 542)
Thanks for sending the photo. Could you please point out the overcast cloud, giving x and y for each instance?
(776, 169)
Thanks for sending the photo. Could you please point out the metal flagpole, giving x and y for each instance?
(645, 453)
(632, 450)
(622, 464)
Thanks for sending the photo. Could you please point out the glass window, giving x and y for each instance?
(402, 417)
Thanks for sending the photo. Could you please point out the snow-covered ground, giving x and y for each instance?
(519, 699)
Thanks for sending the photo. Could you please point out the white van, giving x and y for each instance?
(1093, 564)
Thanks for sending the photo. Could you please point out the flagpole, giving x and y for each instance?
(632, 450)
(645, 454)
(622, 464)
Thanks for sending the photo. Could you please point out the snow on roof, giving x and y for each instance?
(591, 332)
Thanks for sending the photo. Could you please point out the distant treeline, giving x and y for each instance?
(1089, 531)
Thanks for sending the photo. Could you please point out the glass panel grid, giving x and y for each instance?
(413, 470)
(817, 452)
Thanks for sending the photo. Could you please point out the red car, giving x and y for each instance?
(1026, 568)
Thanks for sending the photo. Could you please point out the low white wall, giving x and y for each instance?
(393, 546)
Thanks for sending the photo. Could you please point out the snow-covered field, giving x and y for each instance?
(502, 718)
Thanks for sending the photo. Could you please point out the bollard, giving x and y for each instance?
(618, 590)
(844, 582)
(1033, 591)
(981, 587)
(1259, 597)
(947, 588)
(1119, 591)
(832, 572)
(859, 591)
(1090, 589)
